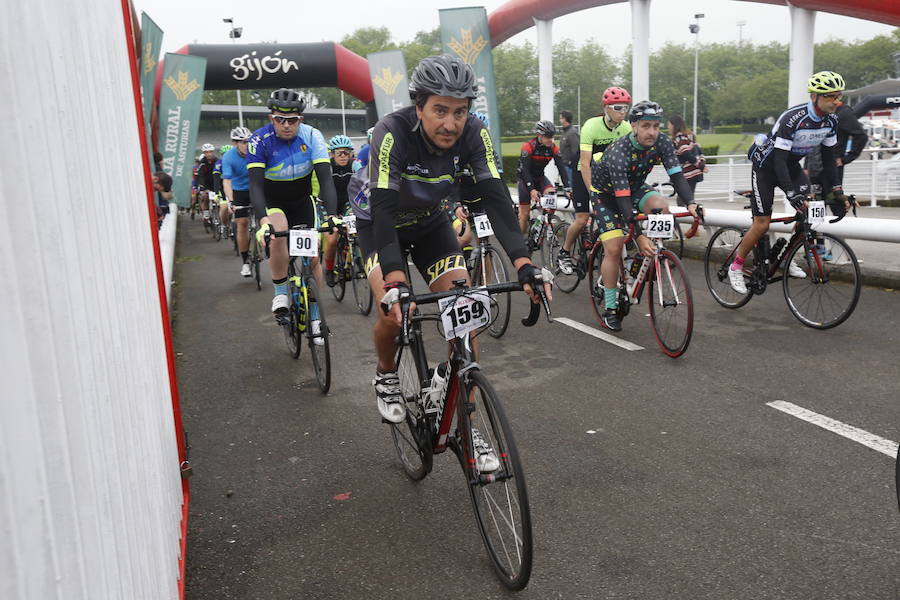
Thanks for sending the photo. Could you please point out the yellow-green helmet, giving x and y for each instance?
(825, 82)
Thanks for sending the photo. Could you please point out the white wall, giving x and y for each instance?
(90, 493)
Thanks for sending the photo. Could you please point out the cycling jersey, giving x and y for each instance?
(798, 130)
(362, 158)
(341, 176)
(204, 176)
(533, 159)
(234, 167)
(596, 135)
(358, 194)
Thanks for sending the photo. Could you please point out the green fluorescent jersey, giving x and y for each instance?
(596, 136)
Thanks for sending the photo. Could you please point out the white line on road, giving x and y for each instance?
(850, 432)
(598, 334)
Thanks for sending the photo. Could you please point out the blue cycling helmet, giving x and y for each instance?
(339, 141)
(481, 117)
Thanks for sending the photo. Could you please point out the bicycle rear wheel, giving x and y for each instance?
(671, 304)
(412, 438)
(492, 263)
(321, 352)
(595, 289)
(362, 291)
(826, 297)
(566, 283)
(340, 262)
(720, 252)
(499, 499)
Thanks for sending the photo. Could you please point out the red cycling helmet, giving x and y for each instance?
(616, 95)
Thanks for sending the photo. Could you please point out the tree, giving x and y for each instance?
(515, 72)
(861, 62)
(588, 67)
(362, 41)
(425, 43)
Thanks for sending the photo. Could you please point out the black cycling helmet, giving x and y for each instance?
(286, 101)
(545, 128)
(443, 75)
(645, 110)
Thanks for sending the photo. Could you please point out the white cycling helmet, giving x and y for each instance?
(207, 148)
(240, 134)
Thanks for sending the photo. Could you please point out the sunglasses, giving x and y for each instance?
(833, 97)
(619, 107)
(289, 120)
(342, 153)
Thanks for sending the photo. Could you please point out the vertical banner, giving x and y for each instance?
(151, 44)
(465, 33)
(180, 99)
(388, 72)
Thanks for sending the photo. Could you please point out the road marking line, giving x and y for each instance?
(598, 334)
(850, 432)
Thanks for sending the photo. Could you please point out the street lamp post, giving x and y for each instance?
(740, 25)
(684, 106)
(695, 29)
(234, 34)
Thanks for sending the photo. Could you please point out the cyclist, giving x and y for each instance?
(776, 162)
(596, 134)
(362, 159)
(619, 179)
(414, 157)
(341, 149)
(569, 142)
(225, 210)
(281, 159)
(530, 179)
(236, 186)
(204, 177)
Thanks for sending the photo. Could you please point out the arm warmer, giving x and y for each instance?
(682, 188)
(829, 169)
(327, 193)
(383, 204)
(525, 172)
(498, 206)
(782, 175)
(257, 178)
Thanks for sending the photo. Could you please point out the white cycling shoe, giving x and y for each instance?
(736, 279)
(280, 303)
(389, 397)
(245, 270)
(316, 331)
(794, 270)
(486, 459)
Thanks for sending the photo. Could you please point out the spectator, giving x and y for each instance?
(693, 163)
(568, 142)
(162, 185)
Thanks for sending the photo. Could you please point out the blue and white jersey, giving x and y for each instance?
(798, 130)
(286, 160)
(234, 167)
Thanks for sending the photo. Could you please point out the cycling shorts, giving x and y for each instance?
(581, 199)
(525, 195)
(241, 201)
(298, 212)
(764, 182)
(432, 246)
(611, 222)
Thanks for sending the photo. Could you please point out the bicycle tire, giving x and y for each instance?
(320, 353)
(595, 292)
(362, 291)
(673, 318)
(549, 245)
(567, 283)
(676, 243)
(292, 322)
(499, 499)
(412, 438)
(340, 260)
(817, 300)
(501, 304)
(897, 477)
(717, 260)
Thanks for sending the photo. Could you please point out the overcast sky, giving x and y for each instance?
(200, 21)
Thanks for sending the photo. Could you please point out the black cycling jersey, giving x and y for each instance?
(533, 159)
(205, 174)
(409, 177)
(341, 176)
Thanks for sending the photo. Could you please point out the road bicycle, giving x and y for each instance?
(255, 249)
(485, 266)
(305, 306)
(669, 294)
(349, 266)
(823, 298)
(465, 414)
(540, 228)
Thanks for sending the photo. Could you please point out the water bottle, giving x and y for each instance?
(629, 260)
(435, 398)
(636, 262)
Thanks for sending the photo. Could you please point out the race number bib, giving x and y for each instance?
(483, 226)
(350, 222)
(304, 242)
(548, 202)
(660, 226)
(462, 314)
(816, 212)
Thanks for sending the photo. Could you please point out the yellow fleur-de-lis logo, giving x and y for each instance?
(467, 49)
(388, 80)
(182, 88)
(148, 60)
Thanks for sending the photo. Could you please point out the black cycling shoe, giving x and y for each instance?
(611, 320)
(330, 279)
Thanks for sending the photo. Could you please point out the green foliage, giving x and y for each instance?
(728, 128)
(708, 152)
(229, 97)
(515, 71)
(510, 163)
(588, 67)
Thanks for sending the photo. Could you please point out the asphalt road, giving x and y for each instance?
(649, 477)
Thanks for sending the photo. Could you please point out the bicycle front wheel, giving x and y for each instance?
(412, 438)
(671, 304)
(294, 320)
(491, 262)
(676, 244)
(317, 337)
(566, 283)
(720, 252)
(595, 285)
(362, 291)
(499, 499)
(342, 264)
(826, 297)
